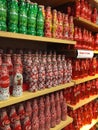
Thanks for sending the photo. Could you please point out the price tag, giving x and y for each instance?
(85, 54)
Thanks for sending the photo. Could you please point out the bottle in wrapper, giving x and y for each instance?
(13, 16)
(3, 15)
(40, 22)
(22, 17)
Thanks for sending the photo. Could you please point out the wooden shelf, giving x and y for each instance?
(29, 95)
(34, 38)
(83, 102)
(86, 24)
(63, 124)
(96, 52)
(88, 78)
(89, 126)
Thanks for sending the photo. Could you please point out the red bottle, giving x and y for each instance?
(96, 41)
(77, 8)
(41, 120)
(82, 10)
(89, 12)
(4, 120)
(60, 70)
(64, 62)
(21, 113)
(49, 72)
(26, 123)
(35, 107)
(17, 80)
(47, 113)
(28, 109)
(94, 16)
(55, 70)
(9, 67)
(4, 82)
(71, 28)
(33, 80)
(58, 108)
(48, 22)
(76, 37)
(13, 116)
(41, 75)
(64, 110)
(66, 27)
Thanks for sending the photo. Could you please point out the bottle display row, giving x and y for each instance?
(32, 71)
(40, 113)
(83, 8)
(30, 18)
(79, 92)
(83, 115)
(85, 39)
(84, 67)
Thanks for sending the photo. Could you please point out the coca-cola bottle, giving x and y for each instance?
(60, 25)
(55, 24)
(55, 70)
(60, 70)
(17, 80)
(4, 120)
(47, 113)
(66, 27)
(64, 110)
(82, 10)
(28, 109)
(4, 82)
(49, 72)
(77, 8)
(9, 67)
(33, 80)
(64, 62)
(48, 22)
(58, 108)
(13, 116)
(21, 113)
(41, 75)
(26, 123)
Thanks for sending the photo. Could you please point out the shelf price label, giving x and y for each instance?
(85, 54)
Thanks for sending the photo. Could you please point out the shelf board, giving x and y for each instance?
(83, 102)
(86, 24)
(34, 38)
(89, 126)
(29, 95)
(63, 124)
(88, 78)
(96, 52)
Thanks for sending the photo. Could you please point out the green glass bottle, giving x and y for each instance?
(12, 28)
(13, 12)
(22, 14)
(31, 16)
(3, 26)
(22, 29)
(3, 15)
(40, 22)
(31, 31)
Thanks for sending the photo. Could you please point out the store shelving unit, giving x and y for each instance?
(34, 38)
(82, 102)
(88, 78)
(63, 124)
(30, 95)
(89, 126)
(87, 24)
